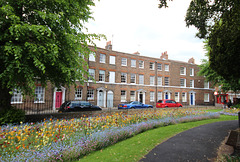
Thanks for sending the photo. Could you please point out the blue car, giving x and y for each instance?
(134, 105)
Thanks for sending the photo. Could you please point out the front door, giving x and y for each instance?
(141, 97)
(58, 100)
(101, 98)
(166, 95)
(191, 98)
(110, 99)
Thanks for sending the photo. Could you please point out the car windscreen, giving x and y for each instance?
(160, 101)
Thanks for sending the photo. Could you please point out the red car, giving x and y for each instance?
(167, 103)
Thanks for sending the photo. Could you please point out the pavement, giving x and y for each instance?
(198, 144)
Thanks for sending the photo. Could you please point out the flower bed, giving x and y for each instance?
(54, 140)
(230, 111)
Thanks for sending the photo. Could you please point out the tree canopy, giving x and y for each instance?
(217, 21)
(214, 77)
(42, 40)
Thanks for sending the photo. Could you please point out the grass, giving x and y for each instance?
(133, 149)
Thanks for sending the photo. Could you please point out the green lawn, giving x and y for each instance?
(133, 149)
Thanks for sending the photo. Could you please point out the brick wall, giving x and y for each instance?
(142, 91)
(173, 74)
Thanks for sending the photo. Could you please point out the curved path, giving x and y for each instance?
(197, 144)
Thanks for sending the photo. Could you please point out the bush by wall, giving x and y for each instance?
(12, 115)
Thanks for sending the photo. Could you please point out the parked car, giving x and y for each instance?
(78, 106)
(134, 105)
(167, 103)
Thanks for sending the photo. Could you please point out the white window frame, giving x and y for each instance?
(102, 75)
(151, 65)
(39, 93)
(184, 97)
(152, 80)
(191, 71)
(111, 76)
(182, 82)
(176, 96)
(78, 94)
(191, 83)
(159, 95)
(140, 79)
(124, 61)
(16, 97)
(123, 96)
(92, 74)
(141, 64)
(182, 70)
(159, 66)
(90, 94)
(123, 76)
(206, 97)
(167, 81)
(133, 63)
(159, 80)
(166, 66)
(152, 96)
(133, 78)
(92, 56)
(102, 58)
(112, 60)
(132, 95)
(206, 84)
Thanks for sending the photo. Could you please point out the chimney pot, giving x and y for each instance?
(164, 56)
(108, 46)
(136, 53)
(191, 61)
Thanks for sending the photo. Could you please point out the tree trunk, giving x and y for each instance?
(5, 98)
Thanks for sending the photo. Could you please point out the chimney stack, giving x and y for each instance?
(136, 53)
(109, 46)
(191, 61)
(164, 56)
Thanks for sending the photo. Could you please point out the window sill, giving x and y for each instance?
(36, 102)
(16, 102)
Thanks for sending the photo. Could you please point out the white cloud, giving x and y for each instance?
(139, 25)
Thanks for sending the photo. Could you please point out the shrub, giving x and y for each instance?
(236, 106)
(12, 115)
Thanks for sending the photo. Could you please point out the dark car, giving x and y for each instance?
(68, 106)
(134, 105)
(167, 103)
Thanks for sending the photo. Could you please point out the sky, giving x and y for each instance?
(139, 25)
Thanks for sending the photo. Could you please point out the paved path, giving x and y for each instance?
(195, 145)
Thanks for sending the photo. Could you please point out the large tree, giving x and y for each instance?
(41, 41)
(216, 79)
(218, 21)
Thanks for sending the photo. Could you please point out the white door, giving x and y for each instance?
(110, 99)
(101, 98)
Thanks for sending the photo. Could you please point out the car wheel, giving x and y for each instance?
(166, 106)
(132, 107)
(150, 107)
(180, 106)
